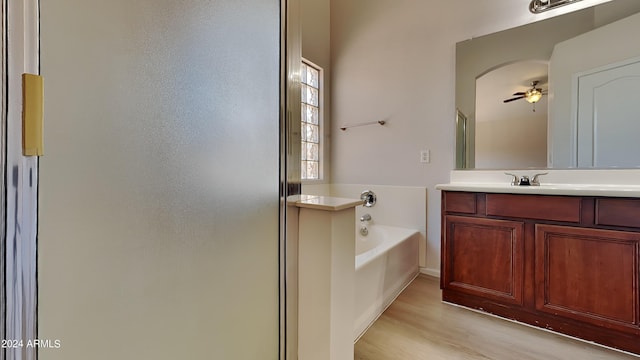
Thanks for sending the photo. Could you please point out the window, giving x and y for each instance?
(311, 121)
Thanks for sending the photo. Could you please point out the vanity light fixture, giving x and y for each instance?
(538, 6)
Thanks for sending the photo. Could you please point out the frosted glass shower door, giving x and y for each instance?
(159, 188)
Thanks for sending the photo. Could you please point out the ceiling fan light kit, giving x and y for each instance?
(533, 96)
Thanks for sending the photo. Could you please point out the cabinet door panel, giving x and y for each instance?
(588, 274)
(484, 257)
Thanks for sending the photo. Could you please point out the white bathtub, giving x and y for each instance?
(386, 262)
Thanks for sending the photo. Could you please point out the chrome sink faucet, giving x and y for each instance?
(515, 180)
(524, 180)
(535, 181)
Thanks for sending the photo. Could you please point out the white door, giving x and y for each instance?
(159, 187)
(609, 116)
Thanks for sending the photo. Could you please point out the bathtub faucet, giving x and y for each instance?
(365, 217)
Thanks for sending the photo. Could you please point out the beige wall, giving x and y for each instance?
(395, 60)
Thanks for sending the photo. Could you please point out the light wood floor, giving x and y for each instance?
(418, 325)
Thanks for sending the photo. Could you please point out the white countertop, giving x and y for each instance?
(327, 203)
(547, 189)
(615, 183)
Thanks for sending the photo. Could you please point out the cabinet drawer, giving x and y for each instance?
(618, 212)
(459, 202)
(552, 208)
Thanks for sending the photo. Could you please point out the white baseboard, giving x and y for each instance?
(430, 272)
(370, 315)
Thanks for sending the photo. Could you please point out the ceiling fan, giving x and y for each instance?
(533, 95)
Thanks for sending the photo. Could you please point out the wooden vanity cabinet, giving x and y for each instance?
(570, 264)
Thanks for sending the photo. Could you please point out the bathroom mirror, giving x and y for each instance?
(494, 134)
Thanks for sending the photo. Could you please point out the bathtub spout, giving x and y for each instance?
(364, 221)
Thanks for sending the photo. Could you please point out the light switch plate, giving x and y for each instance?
(425, 156)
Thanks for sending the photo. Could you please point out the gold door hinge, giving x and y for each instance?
(32, 114)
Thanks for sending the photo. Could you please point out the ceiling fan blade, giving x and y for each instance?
(519, 93)
(513, 99)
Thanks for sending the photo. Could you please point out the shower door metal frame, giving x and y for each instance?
(3, 187)
(290, 94)
(19, 199)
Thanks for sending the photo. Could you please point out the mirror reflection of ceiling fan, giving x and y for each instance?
(532, 95)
